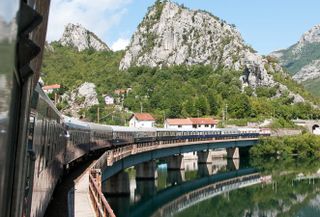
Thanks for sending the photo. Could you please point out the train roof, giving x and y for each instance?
(129, 129)
(95, 126)
(45, 97)
(75, 123)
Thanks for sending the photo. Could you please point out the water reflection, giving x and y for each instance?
(130, 194)
(261, 187)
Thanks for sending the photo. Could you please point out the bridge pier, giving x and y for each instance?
(176, 176)
(204, 157)
(145, 188)
(118, 184)
(175, 162)
(233, 164)
(146, 170)
(205, 170)
(233, 153)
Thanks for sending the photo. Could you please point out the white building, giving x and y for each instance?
(109, 100)
(178, 123)
(141, 120)
(191, 123)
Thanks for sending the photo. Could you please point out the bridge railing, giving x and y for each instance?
(99, 202)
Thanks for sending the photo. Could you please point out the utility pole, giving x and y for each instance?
(98, 114)
(141, 107)
(226, 115)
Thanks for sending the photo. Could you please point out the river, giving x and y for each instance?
(255, 187)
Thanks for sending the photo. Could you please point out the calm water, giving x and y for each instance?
(260, 187)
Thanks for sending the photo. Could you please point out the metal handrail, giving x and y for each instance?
(100, 204)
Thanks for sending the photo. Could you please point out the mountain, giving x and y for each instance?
(302, 60)
(171, 34)
(78, 37)
(180, 63)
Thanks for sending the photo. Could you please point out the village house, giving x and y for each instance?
(141, 120)
(190, 123)
(50, 88)
(178, 123)
(109, 100)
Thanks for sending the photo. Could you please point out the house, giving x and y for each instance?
(203, 123)
(50, 88)
(109, 100)
(141, 120)
(190, 123)
(120, 92)
(178, 123)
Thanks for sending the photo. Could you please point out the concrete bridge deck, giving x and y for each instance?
(79, 200)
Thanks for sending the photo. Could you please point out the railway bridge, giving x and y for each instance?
(107, 170)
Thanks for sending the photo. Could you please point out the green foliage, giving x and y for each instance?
(294, 62)
(177, 91)
(71, 68)
(306, 145)
(313, 86)
(266, 91)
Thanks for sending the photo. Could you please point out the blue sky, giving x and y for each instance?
(266, 25)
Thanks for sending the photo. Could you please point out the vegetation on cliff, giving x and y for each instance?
(177, 91)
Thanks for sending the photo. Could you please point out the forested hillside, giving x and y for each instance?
(177, 91)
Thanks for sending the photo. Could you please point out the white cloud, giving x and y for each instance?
(120, 44)
(97, 16)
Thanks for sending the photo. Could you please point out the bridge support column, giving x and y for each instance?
(146, 188)
(118, 184)
(204, 157)
(146, 170)
(233, 164)
(175, 162)
(176, 176)
(233, 153)
(205, 170)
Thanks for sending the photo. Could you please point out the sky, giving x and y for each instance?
(267, 25)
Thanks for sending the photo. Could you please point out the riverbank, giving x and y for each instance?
(305, 145)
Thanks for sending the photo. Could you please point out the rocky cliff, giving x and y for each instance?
(81, 39)
(302, 60)
(171, 34)
(83, 97)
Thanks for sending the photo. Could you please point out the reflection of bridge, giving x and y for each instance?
(309, 177)
(192, 192)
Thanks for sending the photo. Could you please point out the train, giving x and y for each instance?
(37, 143)
(59, 143)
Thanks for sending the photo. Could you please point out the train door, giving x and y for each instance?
(30, 166)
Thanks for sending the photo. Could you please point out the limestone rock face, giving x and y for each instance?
(171, 34)
(308, 72)
(80, 38)
(311, 36)
(84, 96)
(302, 60)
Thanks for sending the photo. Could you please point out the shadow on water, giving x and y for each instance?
(210, 190)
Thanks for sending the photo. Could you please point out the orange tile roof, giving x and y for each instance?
(178, 121)
(53, 86)
(143, 117)
(203, 121)
(120, 91)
